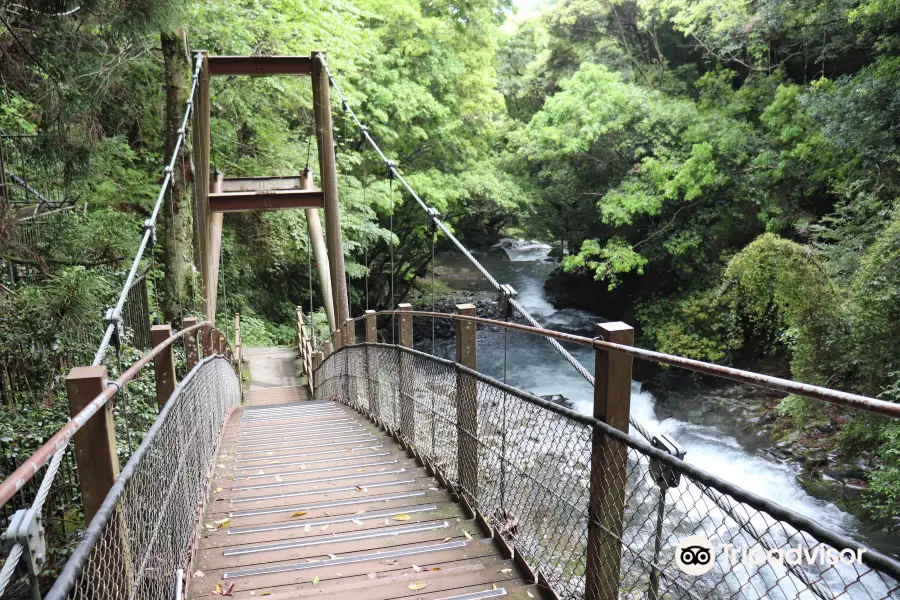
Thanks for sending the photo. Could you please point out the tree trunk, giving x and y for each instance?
(178, 245)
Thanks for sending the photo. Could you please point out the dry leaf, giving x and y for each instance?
(372, 575)
(530, 595)
(299, 513)
(218, 590)
(266, 594)
(223, 523)
(306, 529)
(357, 521)
(360, 470)
(360, 512)
(434, 569)
(324, 527)
(198, 574)
(505, 571)
(228, 588)
(316, 580)
(217, 490)
(468, 536)
(402, 517)
(302, 467)
(493, 586)
(332, 557)
(417, 568)
(417, 585)
(261, 473)
(390, 561)
(278, 479)
(252, 593)
(358, 489)
(447, 539)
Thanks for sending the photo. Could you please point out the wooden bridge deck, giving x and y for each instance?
(312, 498)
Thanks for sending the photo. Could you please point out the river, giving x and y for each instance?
(534, 366)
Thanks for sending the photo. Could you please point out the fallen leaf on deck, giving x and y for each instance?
(324, 527)
(447, 539)
(302, 467)
(217, 490)
(306, 529)
(505, 571)
(278, 479)
(261, 473)
(493, 586)
(223, 523)
(316, 580)
(417, 568)
(198, 574)
(360, 512)
(332, 557)
(417, 585)
(402, 517)
(357, 521)
(358, 489)
(218, 590)
(434, 569)
(373, 575)
(299, 513)
(530, 595)
(468, 536)
(390, 561)
(227, 590)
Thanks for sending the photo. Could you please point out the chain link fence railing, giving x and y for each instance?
(597, 513)
(142, 534)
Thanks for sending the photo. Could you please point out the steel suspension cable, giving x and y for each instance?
(150, 224)
(12, 560)
(393, 172)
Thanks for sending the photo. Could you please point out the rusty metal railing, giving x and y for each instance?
(26, 557)
(769, 382)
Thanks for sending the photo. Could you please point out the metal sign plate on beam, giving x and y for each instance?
(259, 184)
(259, 66)
(265, 200)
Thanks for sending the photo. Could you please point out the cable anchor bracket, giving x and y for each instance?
(507, 294)
(110, 317)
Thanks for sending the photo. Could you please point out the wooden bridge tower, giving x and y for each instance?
(255, 194)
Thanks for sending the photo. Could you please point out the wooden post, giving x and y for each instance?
(609, 465)
(338, 336)
(215, 220)
(371, 369)
(163, 364)
(406, 334)
(349, 332)
(328, 179)
(317, 238)
(326, 349)
(371, 331)
(407, 375)
(206, 339)
(191, 351)
(221, 343)
(467, 402)
(238, 346)
(95, 442)
(201, 175)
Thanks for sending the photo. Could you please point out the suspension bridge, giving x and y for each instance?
(365, 469)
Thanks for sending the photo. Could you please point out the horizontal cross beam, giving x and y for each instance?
(259, 66)
(265, 200)
(259, 184)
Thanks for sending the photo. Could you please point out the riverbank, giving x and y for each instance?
(733, 431)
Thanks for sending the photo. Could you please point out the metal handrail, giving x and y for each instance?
(42, 455)
(769, 382)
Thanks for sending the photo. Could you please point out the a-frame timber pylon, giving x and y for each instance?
(254, 194)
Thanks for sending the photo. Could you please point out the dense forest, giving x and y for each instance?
(721, 175)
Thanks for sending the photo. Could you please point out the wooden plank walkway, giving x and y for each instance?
(312, 498)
